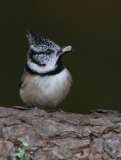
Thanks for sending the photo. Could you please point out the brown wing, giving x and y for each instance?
(22, 78)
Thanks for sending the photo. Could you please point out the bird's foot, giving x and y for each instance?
(59, 109)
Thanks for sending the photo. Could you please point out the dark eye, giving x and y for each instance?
(48, 51)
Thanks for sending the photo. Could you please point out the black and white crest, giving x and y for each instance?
(44, 56)
(40, 44)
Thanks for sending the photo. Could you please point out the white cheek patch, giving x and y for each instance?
(40, 69)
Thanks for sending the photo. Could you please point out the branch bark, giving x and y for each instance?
(40, 135)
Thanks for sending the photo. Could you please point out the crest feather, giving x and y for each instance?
(37, 41)
(32, 37)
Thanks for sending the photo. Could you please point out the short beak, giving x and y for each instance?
(65, 49)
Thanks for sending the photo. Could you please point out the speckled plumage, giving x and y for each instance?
(40, 44)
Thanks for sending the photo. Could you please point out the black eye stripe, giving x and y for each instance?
(32, 52)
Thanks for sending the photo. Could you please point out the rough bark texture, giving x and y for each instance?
(40, 135)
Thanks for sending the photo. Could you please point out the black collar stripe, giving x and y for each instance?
(57, 70)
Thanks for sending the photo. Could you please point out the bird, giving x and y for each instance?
(45, 81)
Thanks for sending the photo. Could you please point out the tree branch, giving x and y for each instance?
(40, 135)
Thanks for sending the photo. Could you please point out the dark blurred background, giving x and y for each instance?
(92, 28)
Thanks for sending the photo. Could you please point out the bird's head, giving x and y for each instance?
(44, 55)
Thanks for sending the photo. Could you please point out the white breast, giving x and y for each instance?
(47, 90)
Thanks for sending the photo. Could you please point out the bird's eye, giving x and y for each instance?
(48, 51)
